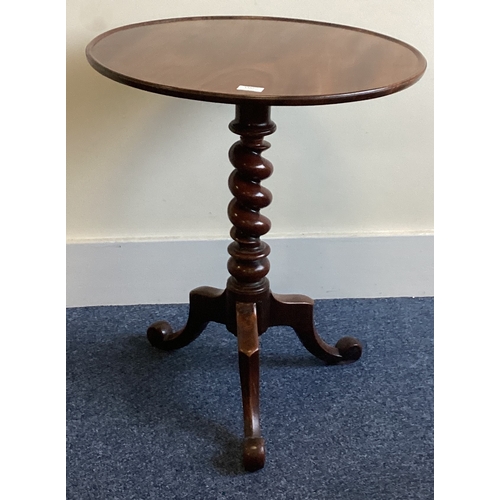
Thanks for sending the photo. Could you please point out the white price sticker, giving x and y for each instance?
(250, 88)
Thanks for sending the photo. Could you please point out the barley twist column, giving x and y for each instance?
(248, 264)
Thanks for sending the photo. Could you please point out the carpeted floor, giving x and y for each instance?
(145, 424)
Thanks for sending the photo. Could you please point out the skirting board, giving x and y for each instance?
(163, 272)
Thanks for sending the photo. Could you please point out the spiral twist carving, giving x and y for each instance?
(248, 264)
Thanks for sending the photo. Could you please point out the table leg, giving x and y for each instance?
(205, 304)
(248, 356)
(297, 311)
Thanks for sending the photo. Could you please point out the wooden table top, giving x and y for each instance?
(275, 61)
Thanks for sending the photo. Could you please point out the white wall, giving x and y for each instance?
(148, 166)
(144, 167)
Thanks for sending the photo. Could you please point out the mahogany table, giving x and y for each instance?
(254, 63)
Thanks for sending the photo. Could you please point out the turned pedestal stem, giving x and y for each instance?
(248, 264)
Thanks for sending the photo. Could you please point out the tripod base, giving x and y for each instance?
(247, 319)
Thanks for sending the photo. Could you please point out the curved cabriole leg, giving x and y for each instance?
(248, 356)
(297, 311)
(205, 304)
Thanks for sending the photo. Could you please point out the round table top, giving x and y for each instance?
(276, 61)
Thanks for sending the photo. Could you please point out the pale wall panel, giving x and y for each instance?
(147, 166)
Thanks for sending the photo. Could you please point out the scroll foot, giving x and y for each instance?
(205, 304)
(297, 311)
(254, 455)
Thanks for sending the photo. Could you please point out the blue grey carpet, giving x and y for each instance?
(145, 424)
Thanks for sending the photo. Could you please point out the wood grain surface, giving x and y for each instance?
(294, 62)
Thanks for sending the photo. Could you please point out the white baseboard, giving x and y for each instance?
(163, 272)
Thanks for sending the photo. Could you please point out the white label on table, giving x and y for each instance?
(250, 88)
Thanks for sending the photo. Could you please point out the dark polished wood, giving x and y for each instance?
(297, 311)
(248, 356)
(254, 62)
(249, 264)
(247, 306)
(295, 62)
(205, 304)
